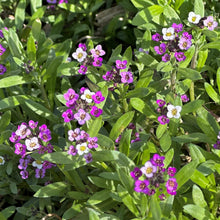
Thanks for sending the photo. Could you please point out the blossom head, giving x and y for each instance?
(72, 150)
(82, 70)
(68, 115)
(24, 174)
(82, 148)
(177, 27)
(126, 77)
(20, 149)
(71, 95)
(40, 173)
(52, 1)
(157, 160)
(187, 36)
(92, 142)
(173, 111)
(3, 69)
(157, 37)
(194, 18)
(83, 46)
(184, 44)
(23, 131)
(2, 160)
(161, 102)
(97, 51)
(142, 186)
(97, 61)
(163, 119)
(184, 98)
(79, 55)
(136, 173)
(210, 23)
(95, 111)
(166, 57)
(32, 124)
(74, 134)
(88, 157)
(32, 143)
(63, 1)
(171, 171)
(179, 56)
(160, 49)
(87, 96)
(81, 116)
(37, 163)
(98, 98)
(168, 33)
(121, 64)
(171, 186)
(108, 76)
(149, 169)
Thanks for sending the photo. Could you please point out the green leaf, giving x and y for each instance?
(137, 93)
(193, 137)
(31, 48)
(184, 174)
(127, 200)
(218, 79)
(14, 44)
(113, 156)
(125, 142)
(203, 55)
(200, 179)
(145, 78)
(105, 141)
(78, 195)
(142, 107)
(125, 179)
(7, 212)
(189, 55)
(38, 14)
(212, 45)
(72, 8)
(36, 29)
(95, 127)
(166, 206)
(199, 7)
(121, 124)
(13, 187)
(20, 14)
(35, 4)
(170, 15)
(195, 153)
(128, 55)
(5, 120)
(102, 183)
(198, 212)
(155, 208)
(165, 141)
(168, 157)
(13, 81)
(52, 189)
(198, 197)
(41, 110)
(178, 3)
(146, 59)
(212, 93)
(161, 130)
(140, 4)
(115, 54)
(187, 73)
(99, 197)
(2, 217)
(191, 106)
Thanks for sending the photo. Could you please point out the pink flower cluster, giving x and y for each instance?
(81, 143)
(31, 138)
(82, 105)
(150, 177)
(118, 74)
(92, 58)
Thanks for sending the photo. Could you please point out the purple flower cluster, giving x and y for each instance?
(217, 144)
(177, 41)
(118, 74)
(81, 143)
(134, 135)
(92, 58)
(31, 138)
(150, 177)
(82, 105)
(163, 119)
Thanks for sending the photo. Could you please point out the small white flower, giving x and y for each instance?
(194, 18)
(149, 169)
(82, 148)
(32, 143)
(87, 96)
(168, 33)
(2, 160)
(79, 55)
(38, 164)
(173, 111)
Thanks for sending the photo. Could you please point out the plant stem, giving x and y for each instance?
(44, 95)
(173, 81)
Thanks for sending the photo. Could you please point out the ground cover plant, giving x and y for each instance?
(109, 109)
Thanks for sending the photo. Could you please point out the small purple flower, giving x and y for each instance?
(82, 90)
(157, 37)
(45, 135)
(126, 77)
(184, 44)
(23, 164)
(187, 36)
(131, 126)
(72, 150)
(180, 56)
(163, 119)
(84, 136)
(210, 23)
(162, 197)
(171, 186)
(82, 70)
(108, 76)
(14, 138)
(20, 149)
(68, 115)
(2, 49)
(177, 27)
(149, 169)
(217, 145)
(141, 186)
(49, 148)
(83, 46)
(166, 57)
(63, 1)
(32, 124)
(92, 142)
(171, 171)
(118, 139)
(23, 131)
(71, 95)
(184, 98)
(98, 98)
(95, 111)
(161, 102)
(74, 135)
(48, 165)
(24, 174)
(52, 1)
(136, 173)
(43, 127)
(160, 49)
(3, 69)
(40, 173)
(121, 64)
(157, 160)
(88, 157)
(97, 51)
(97, 61)
(81, 116)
